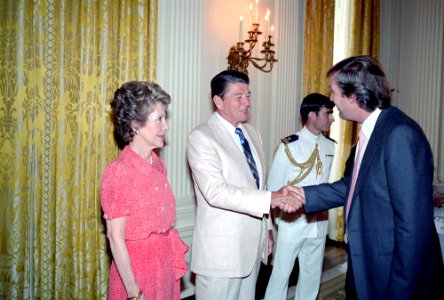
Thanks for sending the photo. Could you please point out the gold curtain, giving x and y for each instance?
(365, 28)
(319, 26)
(318, 59)
(364, 40)
(60, 62)
(318, 45)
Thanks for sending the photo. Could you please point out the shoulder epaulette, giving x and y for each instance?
(289, 139)
(329, 138)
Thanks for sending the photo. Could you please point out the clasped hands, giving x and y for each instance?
(288, 198)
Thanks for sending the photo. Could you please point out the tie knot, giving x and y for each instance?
(240, 134)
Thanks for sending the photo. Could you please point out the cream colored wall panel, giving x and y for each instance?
(178, 72)
(179, 61)
(283, 112)
(412, 38)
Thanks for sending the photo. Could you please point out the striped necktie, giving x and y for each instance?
(248, 155)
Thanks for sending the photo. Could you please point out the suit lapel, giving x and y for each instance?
(225, 139)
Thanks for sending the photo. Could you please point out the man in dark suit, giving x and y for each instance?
(393, 249)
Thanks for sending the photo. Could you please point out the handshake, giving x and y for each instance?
(288, 198)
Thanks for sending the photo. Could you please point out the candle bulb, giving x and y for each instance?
(251, 13)
(240, 29)
(257, 11)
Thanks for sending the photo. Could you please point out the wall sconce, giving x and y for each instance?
(239, 58)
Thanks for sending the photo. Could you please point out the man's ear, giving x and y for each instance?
(311, 115)
(352, 98)
(217, 101)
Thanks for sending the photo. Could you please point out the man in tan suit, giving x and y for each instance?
(231, 232)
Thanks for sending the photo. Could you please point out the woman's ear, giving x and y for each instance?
(134, 126)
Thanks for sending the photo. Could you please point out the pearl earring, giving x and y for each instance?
(137, 131)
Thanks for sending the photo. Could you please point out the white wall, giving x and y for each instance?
(194, 38)
(412, 37)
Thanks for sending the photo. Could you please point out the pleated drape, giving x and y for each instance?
(365, 28)
(318, 45)
(362, 37)
(60, 62)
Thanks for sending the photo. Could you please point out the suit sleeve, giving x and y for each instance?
(207, 171)
(409, 167)
(325, 196)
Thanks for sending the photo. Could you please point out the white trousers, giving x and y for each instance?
(311, 254)
(243, 288)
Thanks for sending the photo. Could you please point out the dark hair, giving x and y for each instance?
(364, 77)
(220, 82)
(314, 102)
(133, 102)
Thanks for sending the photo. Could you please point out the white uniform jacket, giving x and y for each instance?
(282, 171)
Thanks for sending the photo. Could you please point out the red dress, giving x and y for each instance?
(134, 189)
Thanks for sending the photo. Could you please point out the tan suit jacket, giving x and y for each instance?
(230, 230)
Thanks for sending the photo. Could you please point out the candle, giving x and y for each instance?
(266, 25)
(272, 28)
(240, 28)
(257, 12)
(267, 18)
(251, 13)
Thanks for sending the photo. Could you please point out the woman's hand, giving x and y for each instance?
(116, 236)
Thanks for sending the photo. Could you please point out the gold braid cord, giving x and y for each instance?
(305, 167)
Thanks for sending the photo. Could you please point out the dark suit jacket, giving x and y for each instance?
(349, 163)
(393, 243)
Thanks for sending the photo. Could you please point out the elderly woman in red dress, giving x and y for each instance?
(137, 200)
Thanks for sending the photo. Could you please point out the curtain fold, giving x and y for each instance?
(361, 37)
(365, 28)
(319, 39)
(359, 26)
(60, 63)
(318, 45)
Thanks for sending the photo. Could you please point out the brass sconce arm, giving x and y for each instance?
(239, 58)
